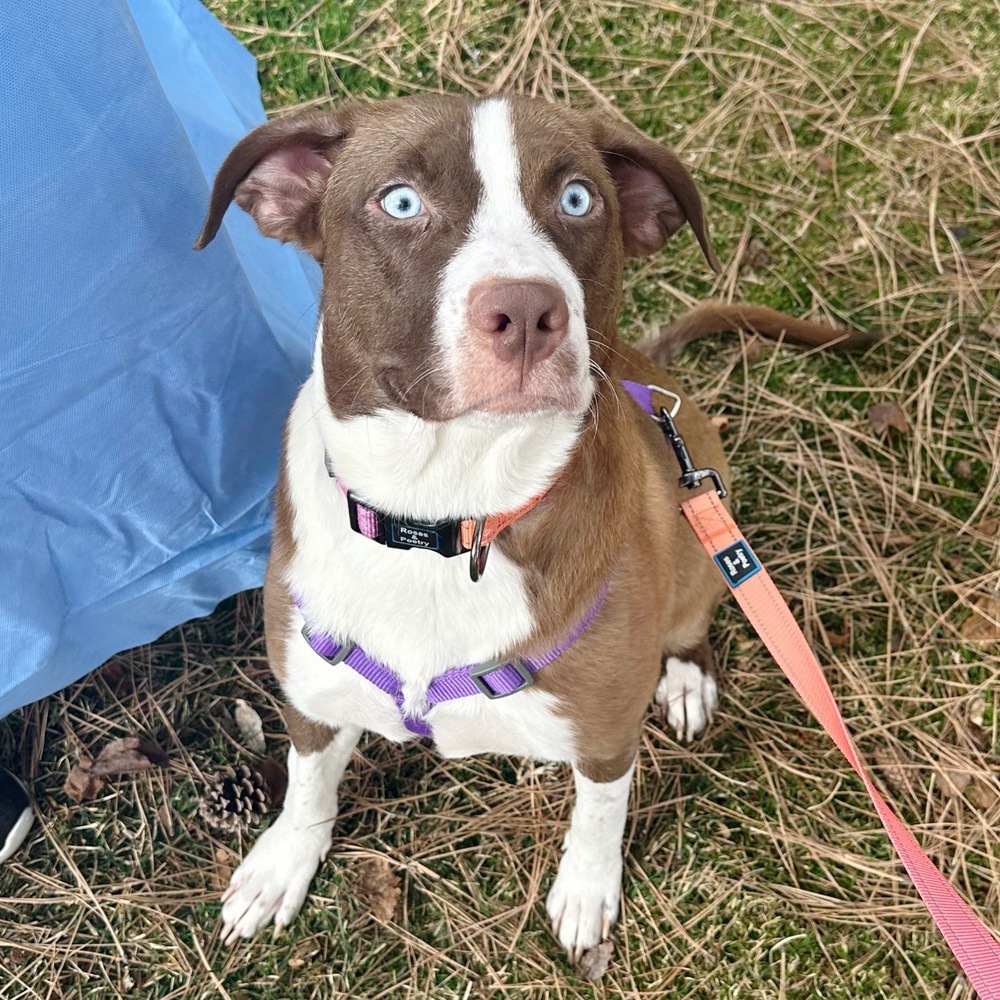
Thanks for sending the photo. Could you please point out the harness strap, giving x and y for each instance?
(493, 678)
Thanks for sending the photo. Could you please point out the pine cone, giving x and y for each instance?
(235, 799)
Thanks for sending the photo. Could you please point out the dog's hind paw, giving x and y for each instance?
(273, 881)
(687, 696)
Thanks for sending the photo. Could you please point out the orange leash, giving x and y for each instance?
(973, 945)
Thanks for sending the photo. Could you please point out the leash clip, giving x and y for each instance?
(690, 477)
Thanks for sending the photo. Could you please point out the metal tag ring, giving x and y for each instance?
(479, 553)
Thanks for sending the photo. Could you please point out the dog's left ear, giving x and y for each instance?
(656, 194)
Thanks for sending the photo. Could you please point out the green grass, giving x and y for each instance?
(849, 155)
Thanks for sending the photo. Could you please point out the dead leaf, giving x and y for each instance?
(977, 713)
(824, 163)
(755, 257)
(82, 785)
(222, 871)
(989, 526)
(275, 777)
(984, 625)
(378, 887)
(888, 415)
(250, 727)
(114, 673)
(835, 639)
(166, 816)
(983, 793)
(132, 753)
(594, 961)
(891, 766)
(305, 952)
(954, 782)
(963, 469)
(755, 349)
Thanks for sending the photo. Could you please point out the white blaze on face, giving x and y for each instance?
(504, 242)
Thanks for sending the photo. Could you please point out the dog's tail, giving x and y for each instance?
(725, 317)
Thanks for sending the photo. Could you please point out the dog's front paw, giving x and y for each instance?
(273, 880)
(687, 696)
(583, 901)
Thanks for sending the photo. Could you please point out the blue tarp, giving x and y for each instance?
(143, 385)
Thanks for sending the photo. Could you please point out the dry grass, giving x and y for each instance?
(849, 154)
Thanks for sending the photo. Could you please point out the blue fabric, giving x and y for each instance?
(143, 385)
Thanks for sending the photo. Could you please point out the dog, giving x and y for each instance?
(477, 537)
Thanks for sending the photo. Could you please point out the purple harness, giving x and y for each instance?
(493, 678)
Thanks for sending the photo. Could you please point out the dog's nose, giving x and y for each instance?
(521, 319)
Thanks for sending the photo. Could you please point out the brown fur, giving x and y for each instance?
(728, 317)
(612, 515)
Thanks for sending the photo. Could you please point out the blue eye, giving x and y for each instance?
(576, 199)
(402, 202)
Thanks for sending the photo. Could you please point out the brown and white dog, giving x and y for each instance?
(468, 363)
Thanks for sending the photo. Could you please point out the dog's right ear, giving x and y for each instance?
(278, 174)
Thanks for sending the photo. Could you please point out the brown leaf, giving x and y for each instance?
(594, 961)
(888, 415)
(378, 887)
(275, 777)
(82, 785)
(983, 793)
(963, 469)
(835, 639)
(954, 782)
(984, 625)
(114, 674)
(755, 349)
(133, 753)
(222, 871)
(755, 257)
(305, 952)
(893, 771)
(989, 526)
(824, 163)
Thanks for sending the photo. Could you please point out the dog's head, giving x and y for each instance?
(472, 251)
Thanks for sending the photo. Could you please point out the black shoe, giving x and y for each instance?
(16, 816)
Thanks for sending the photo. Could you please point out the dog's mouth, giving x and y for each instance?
(518, 402)
(429, 401)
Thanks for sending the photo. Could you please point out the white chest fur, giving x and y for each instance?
(414, 611)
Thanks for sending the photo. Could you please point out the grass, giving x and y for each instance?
(849, 153)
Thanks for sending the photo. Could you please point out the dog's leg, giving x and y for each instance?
(687, 693)
(583, 901)
(274, 878)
